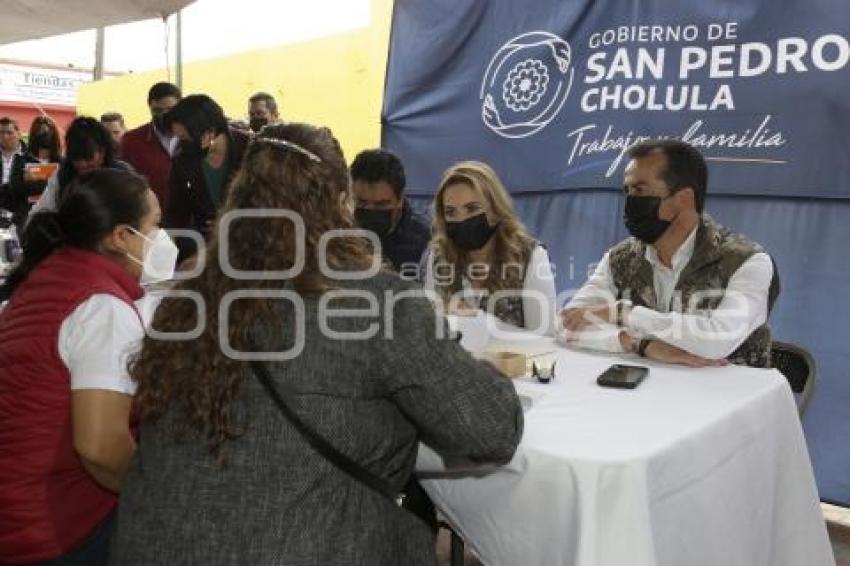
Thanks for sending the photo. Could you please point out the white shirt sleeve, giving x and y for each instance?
(538, 299)
(150, 301)
(47, 201)
(428, 280)
(598, 290)
(96, 342)
(715, 333)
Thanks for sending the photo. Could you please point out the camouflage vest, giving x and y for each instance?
(508, 309)
(718, 253)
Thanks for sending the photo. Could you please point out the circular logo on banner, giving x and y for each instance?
(526, 84)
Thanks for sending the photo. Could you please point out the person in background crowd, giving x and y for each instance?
(262, 111)
(44, 141)
(15, 158)
(682, 289)
(209, 157)
(222, 477)
(480, 250)
(10, 147)
(25, 184)
(66, 396)
(88, 146)
(150, 147)
(114, 123)
(378, 186)
(238, 124)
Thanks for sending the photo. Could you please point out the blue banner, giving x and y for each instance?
(552, 93)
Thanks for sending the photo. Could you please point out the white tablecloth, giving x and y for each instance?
(694, 467)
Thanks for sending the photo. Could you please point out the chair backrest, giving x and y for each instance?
(798, 367)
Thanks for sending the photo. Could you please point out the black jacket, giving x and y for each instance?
(190, 206)
(15, 195)
(405, 245)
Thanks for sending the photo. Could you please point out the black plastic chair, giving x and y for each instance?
(456, 557)
(416, 501)
(798, 367)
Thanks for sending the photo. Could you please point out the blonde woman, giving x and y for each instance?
(482, 257)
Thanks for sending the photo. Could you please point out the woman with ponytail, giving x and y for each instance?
(65, 394)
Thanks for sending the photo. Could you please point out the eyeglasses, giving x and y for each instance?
(290, 145)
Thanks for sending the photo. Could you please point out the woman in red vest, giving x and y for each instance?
(65, 394)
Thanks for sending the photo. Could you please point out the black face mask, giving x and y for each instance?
(379, 221)
(641, 218)
(258, 123)
(159, 123)
(193, 149)
(470, 234)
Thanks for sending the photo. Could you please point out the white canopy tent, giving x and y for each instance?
(34, 19)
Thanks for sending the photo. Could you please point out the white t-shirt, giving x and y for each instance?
(743, 308)
(96, 341)
(8, 159)
(47, 201)
(538, 290)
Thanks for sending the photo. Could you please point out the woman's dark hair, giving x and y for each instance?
(85, 136)
(294, 167)
(198, 113)
(95, 203)
(44, 134)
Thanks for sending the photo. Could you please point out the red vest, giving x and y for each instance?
(48, 502)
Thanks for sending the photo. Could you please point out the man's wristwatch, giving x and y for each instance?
(622, 305)
(642, 345)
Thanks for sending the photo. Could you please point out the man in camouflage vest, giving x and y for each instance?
(683, 289)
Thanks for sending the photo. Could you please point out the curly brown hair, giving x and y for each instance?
(195, 378)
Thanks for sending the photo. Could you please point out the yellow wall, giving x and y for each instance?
(335, 81)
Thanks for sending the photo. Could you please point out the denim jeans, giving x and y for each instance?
(94, 551)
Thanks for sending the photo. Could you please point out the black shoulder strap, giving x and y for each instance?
(319, 444)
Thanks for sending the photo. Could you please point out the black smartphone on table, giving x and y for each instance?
(622, 376)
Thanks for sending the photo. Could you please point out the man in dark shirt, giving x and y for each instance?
(378, 184)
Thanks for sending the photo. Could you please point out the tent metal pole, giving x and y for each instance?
(178, 66)
(99, 48)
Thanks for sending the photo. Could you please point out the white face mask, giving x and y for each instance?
(160, 257)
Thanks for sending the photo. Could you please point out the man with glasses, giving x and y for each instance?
(149, 148)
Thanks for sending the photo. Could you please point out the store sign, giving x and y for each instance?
(37, 85)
